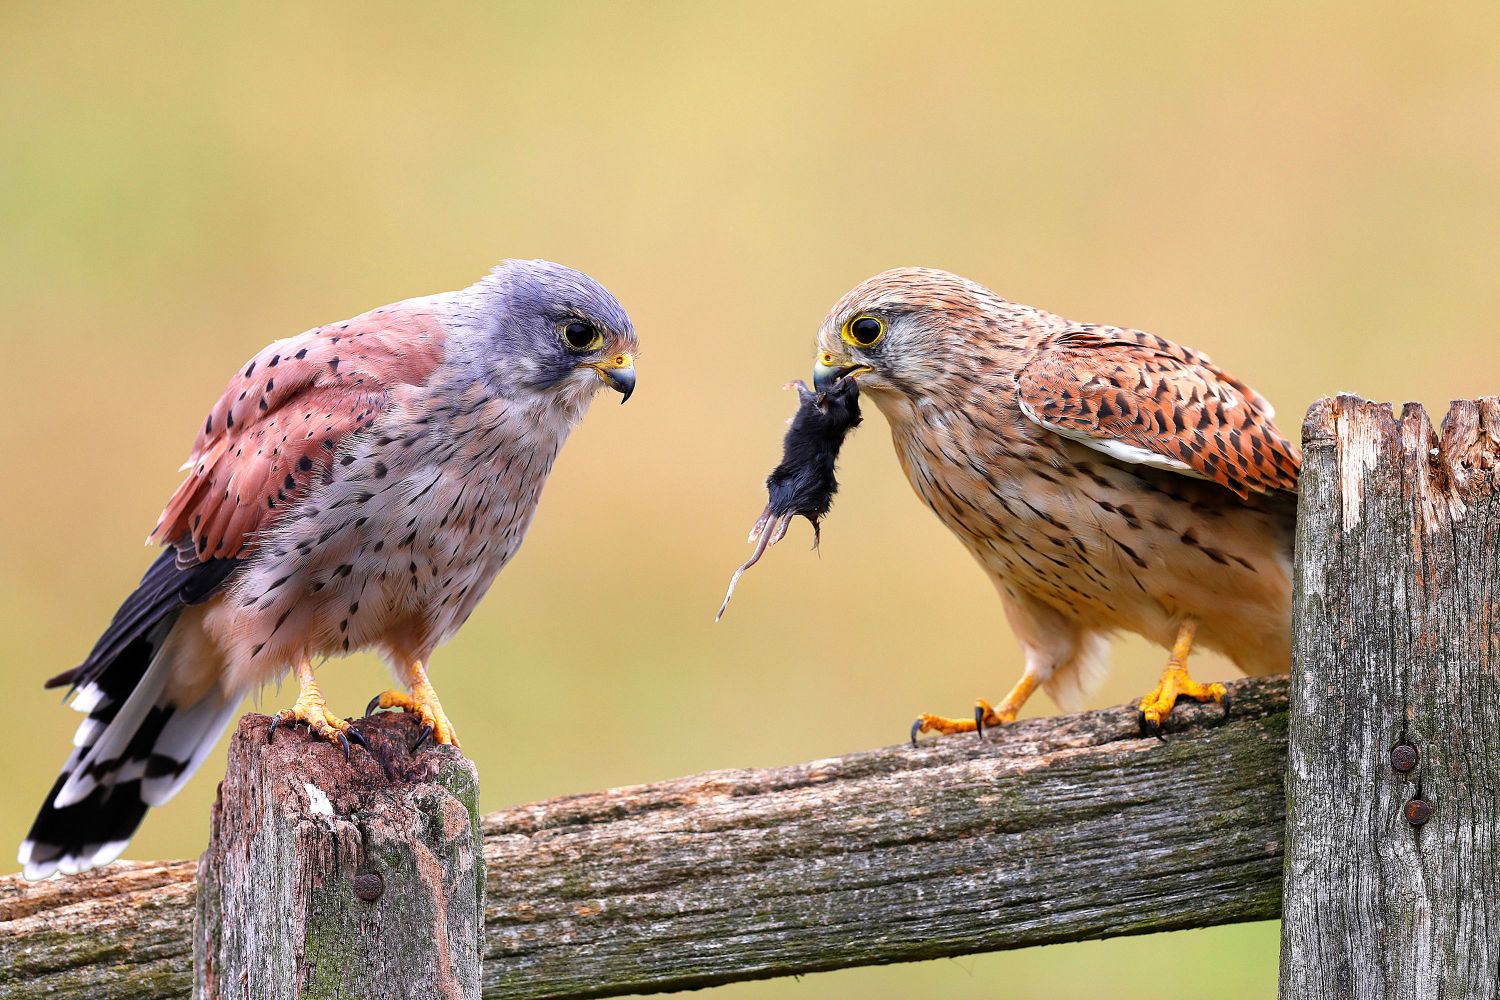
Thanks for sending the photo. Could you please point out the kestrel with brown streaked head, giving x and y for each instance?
(356, 486)
(1105, 479)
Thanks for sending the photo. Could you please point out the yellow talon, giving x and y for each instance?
(984, 713)
(1175, 683)
(311, 709)
(422, 702)
(927, 723)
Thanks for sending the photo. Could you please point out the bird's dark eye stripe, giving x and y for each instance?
(865, 330)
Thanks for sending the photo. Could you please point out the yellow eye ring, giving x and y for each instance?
(580, 337)
(863, 331)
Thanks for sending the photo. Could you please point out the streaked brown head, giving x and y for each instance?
(914, 332)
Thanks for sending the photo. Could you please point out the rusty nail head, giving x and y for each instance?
(369, 886)
(1418, 811)
(1403, 757)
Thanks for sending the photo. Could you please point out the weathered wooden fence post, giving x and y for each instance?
(1393, 788)
(1047, 830)
(325, 878)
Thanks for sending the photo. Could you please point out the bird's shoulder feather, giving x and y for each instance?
(1144, 399)
(277, 428)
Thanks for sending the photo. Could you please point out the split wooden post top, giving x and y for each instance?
(332, 879)
(1393, 787)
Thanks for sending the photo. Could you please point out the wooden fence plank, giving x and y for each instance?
(1049, 830)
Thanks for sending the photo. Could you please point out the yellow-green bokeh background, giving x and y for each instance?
(1309, 193)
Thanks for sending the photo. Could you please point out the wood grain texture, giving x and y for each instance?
(1049, 830)
(120, 933)
(1397, 641)
(297, 831)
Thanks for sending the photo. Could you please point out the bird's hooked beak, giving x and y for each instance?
(617, 372)
(830, 369)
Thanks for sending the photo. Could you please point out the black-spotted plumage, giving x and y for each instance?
(434, 421)
(1105, 479)
(805, 481)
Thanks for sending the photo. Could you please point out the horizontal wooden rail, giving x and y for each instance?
(1049, 830)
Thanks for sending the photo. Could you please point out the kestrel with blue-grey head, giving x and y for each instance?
(1106, 480)
(357, 486)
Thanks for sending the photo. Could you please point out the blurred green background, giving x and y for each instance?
(1309, 193)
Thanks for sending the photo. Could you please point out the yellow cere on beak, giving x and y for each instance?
(830, 369)
(617, 372)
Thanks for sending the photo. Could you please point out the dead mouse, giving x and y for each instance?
(804, 483)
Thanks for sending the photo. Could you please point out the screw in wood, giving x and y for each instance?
(1403, 757)
(1418, 811)
(369, 886)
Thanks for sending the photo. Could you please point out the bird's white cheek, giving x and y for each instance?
(568, 399)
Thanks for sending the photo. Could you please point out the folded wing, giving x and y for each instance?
(1143, 399)
(277, 429)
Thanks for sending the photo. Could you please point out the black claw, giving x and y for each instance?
(421, 738)
(343, 742)
(1149, 728)
(1226, 701)
(271, 733)
(374, 704)
(355, 736)
(979, 721)
(916, 727)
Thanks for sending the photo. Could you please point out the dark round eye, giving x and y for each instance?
(579, 336)
(866, 330)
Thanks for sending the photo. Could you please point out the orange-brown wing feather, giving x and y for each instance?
(277, 429)
(1141, 398)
